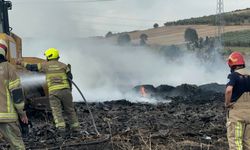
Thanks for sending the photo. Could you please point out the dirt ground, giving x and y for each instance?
(195, 119)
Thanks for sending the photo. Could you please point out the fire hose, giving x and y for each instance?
(100, 139)
(25, 127)
(87, 105)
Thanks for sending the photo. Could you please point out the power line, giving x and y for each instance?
(112, 23)
(125, 18)
(89, 1)
(107, 17)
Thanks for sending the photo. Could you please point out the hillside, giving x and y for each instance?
(173, 32)
(238, 17)
(168, 35)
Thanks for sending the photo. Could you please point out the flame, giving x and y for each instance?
(143, 92)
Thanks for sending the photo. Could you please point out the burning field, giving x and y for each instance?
(186, 117)
(144, 117)
(177, 117)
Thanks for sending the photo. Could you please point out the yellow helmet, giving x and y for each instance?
(51, 53)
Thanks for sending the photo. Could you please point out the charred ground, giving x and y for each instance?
(194, 119)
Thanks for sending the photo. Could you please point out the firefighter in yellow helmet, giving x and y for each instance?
(58, 76)
(237, 100)
(11, 101)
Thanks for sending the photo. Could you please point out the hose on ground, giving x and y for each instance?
(91, 115)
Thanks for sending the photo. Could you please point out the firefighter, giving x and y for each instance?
(58, 76)
(237, 100)
(11, 102)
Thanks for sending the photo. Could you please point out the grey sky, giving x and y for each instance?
(82, 18)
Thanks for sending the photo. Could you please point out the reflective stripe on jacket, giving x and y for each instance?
(8, 81)
(57, 81)
(56, 74)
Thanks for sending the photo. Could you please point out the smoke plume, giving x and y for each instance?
(104, 71)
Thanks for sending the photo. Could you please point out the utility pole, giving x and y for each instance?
(220, 19)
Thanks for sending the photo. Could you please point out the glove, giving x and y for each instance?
(24, 118)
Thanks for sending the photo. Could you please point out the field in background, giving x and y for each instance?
(237, 39)
(169, 35)
(245, 50)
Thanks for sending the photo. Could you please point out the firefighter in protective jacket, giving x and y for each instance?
(59, 87)
(237, 100)
(11, 102)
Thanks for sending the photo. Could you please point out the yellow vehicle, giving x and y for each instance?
(36, 96)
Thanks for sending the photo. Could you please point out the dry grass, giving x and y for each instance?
(245, 50)
(175, 34)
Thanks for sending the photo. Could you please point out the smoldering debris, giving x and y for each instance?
(194, 117)
(162, 93)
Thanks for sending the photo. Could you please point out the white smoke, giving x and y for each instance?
(104, 71)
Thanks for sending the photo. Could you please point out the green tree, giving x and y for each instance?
(123, 39)
(171, 52)
(191, 35)
(143, 39)
(156, 25)
(109, 34)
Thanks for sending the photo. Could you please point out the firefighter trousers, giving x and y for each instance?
(238, 124)
(61, 103)
(12, 134)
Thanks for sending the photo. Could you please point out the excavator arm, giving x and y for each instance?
(36, 95)
(4, 22)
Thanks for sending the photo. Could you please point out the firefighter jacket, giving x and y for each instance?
(9, 82)
(57, 74)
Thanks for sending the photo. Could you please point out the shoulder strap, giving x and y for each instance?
(243, 71)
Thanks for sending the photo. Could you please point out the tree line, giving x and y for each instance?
(232, 18)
